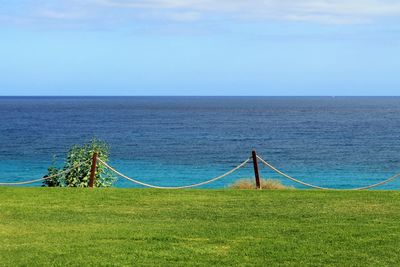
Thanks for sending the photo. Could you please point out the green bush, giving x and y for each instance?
(79, 176)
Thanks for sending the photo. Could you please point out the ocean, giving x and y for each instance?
(339, 142)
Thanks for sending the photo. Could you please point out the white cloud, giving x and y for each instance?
(120, 11)
(61, 15)
(327, 11)
(185, 16)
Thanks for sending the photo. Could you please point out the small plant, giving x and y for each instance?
(265, 184)
(79, 176)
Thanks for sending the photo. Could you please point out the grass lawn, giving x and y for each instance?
(103, 227)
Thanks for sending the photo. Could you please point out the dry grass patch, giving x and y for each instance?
(265, 184)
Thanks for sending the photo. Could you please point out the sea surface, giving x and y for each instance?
(339, 142)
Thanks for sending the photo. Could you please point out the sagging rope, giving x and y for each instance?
(45, 178)
(325, 188)
(174, 187)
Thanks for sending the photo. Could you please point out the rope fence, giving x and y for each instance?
(46, 177)
(175, 187)
(254, 158)
(392, 178)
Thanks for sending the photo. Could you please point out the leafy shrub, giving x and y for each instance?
(79, 176)
(265, 184)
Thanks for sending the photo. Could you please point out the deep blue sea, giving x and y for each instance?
(335, 142)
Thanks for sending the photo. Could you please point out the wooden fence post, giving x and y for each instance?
(256, 173)
(93, 170)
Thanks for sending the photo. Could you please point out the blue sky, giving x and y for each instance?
(200, 47)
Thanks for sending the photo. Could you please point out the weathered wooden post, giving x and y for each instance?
(256, 173)
(93, 170)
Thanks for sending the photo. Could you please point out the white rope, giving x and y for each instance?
(325, 188)
(175, 187)
(45, 178)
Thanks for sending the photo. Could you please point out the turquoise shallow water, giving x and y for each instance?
(338, 142)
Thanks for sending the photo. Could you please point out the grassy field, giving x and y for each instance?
(103, 227)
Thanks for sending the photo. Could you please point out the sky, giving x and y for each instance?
(200, 47)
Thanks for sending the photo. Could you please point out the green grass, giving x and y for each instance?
(103, 227)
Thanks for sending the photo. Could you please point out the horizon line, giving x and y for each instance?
(327, 96)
